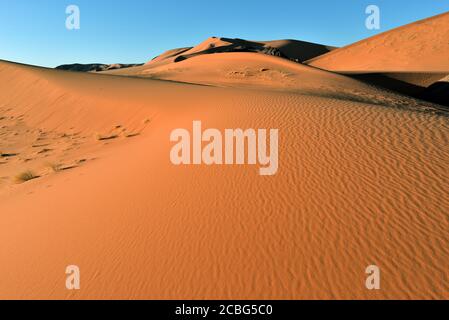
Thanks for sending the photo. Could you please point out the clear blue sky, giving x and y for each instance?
(33, 31)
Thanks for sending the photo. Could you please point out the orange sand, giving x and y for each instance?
(419, 47)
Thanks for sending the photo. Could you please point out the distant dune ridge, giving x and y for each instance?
(86, 179)
(94, 67)
(298, 51)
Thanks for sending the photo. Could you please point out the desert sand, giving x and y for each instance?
(363, 179)
(418, 47)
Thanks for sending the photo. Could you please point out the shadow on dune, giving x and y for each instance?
(298, 51)
(386, 82)
(437, 92)
(361, 97)
(95, 67)
(236, 45)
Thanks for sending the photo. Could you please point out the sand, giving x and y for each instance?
(418, 47)
(363, 179)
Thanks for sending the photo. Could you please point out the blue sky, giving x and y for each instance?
(34, 32)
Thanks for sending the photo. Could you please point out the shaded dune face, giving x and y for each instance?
(431, 87)
(418, 47)
(94, 67)
(168, 54)
(360, 182)
(437, 93)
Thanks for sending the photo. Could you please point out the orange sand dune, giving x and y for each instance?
(418, 47)
(296, 50)
(236, 69)
(360, 182)
(258, 71)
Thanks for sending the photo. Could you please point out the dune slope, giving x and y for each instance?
(358, 184)
(418, 47)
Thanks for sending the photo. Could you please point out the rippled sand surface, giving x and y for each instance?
(359, 183)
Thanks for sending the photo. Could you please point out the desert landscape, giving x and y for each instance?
(86, 178)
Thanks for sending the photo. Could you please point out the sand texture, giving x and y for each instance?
(362, 180)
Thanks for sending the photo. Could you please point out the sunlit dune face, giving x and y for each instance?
(418, 47)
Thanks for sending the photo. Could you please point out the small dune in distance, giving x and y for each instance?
(95, 67)
(86, 178)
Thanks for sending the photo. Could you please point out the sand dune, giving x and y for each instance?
(298, 51)
(418, 47)
(362, 180)
(235, 69)
(258, 71)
